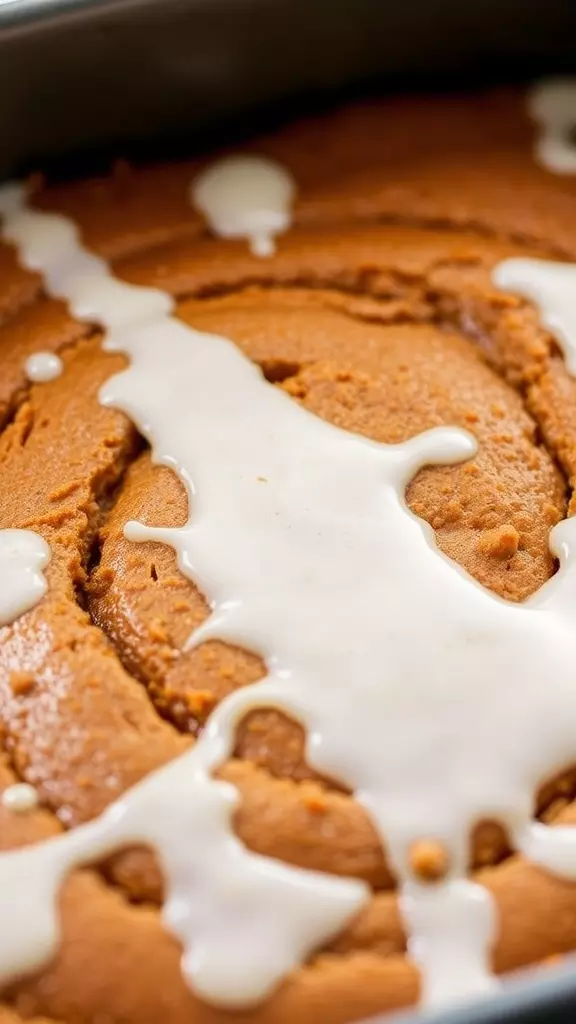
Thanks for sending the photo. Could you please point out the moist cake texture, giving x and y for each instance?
(378, 313)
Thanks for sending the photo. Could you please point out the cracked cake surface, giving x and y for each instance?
(377, 313)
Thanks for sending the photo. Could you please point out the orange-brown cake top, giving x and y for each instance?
(378, 314)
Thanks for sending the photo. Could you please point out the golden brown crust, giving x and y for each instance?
(383, 328)
(8, 1016)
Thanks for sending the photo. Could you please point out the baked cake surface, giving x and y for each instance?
(379, 313)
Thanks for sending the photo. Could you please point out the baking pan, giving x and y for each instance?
(81, 78)
(81, 74)
(543, 997)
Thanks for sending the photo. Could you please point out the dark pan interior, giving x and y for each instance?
(79, 75)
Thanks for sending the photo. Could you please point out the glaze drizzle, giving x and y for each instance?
(395, 660)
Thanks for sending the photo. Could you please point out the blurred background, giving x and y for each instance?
(80, 75)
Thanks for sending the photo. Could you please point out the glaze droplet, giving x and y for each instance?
(23, 556)
(43, 366)
(246, 197)
(20, 798)
(552, 105)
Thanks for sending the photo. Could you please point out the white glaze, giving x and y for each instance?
(410, 678)
(43, 367)
(450, 924)
(552, 288)
(23, 556)
(222, 901)
(246, 197)
(20, 798)
(552, 104)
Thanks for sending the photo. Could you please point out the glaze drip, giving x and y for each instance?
(23, 556)
(246, 197)
(319, 572)
(552, 105)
